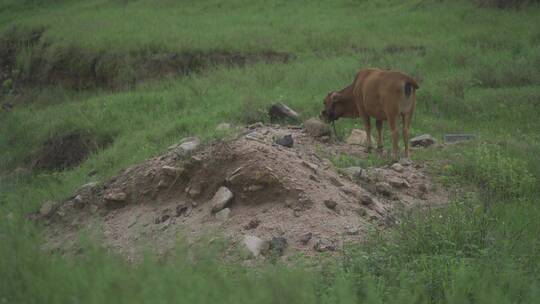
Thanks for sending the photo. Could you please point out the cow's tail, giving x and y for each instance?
(410, 85)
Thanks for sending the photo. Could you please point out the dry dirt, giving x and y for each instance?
(278, 192)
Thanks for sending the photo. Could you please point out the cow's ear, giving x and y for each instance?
(335, 97)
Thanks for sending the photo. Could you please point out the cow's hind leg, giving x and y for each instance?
(406, 120)
(380, 145)
(392, 121)
(367, 125)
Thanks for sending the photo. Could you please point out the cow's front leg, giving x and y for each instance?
(380, 145)
(367, 125)
(392, 121)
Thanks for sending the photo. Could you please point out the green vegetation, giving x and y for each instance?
(480, 73)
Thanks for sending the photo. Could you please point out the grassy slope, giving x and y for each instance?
(476, 77)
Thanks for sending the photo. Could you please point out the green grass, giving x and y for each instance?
(476, 77)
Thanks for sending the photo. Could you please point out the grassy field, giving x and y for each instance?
(479, 72)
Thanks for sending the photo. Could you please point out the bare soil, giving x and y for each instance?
(278, 192)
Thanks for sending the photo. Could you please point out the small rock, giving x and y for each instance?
(171, 171)
(253, 188)
(115, 197)
(357, 137)
(223, 127)
(46, 208)
(297, 213)
(423, 188)
(405, 161)
(305, 238)
(397, 167)
(79, 201)
(256, 125)
(286, 141)
(312, 166)
(383, 188)
(325, 139)
(255, 245)
(330, 204)
(161, 219)
(252, 224)
(352, 230)
(194, 190)
(424, 140)
(366, 199)
(278, 245)
(316, 128)
(361, 211)
(279, 111)
(222, 197)
(454, 138)
(223, 215)
(398, 182)
(356, 173)
(324, 245)
(186, 146)
(163, 184)
(181, 209)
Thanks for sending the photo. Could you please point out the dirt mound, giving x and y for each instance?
(293, 194)
(66, 151)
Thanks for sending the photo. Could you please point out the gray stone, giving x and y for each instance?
(182, 209)
(405, 161)
(187, 145)
(330, 204)
(316, 128)
(305, 238)
(47, 208)
(366, 199)
(424, 140)
(171, 171)
(398, 182)
(115, 196)
(454, 138)
(353, 172)
(286, 141)
(280, 111)
(220, 200)
(357, 137)
(278, 245)
(255, 245)
(252, 224)
(324, 245)
(397, 167)
(383, 188)
(351, 230)
(223, 126)
(223, 215)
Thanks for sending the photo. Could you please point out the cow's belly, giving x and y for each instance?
(374, 109)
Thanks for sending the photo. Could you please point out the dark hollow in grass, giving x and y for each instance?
(67, 150)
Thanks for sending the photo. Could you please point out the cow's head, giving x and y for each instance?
(333, 107)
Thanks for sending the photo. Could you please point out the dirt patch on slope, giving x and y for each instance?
(67, 151)
(27, 60)
(292, 193)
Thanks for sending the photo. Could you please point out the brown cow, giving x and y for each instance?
(381, 94)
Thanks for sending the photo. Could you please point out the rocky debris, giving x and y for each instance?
(424, 140)
(316, 128)
(366, 199)
(351, 230)
(305, 238)
(455, 138)
(357, 137)
(220, 200)
(162, 218)
(398, 182)
(193, 190)
(405, 161)
(223, 215)
(383, 188)
(255, 125)
(252, 224)
(280, 111)
(223, 127)
(355, 173)
(397, 167)
(115, 199)
(323, 245)
(187, 145)
(330, 204)
(255, 245)
(182, 209)
(286, 141)
(278, 245)
(171, 171)
(47, 208)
